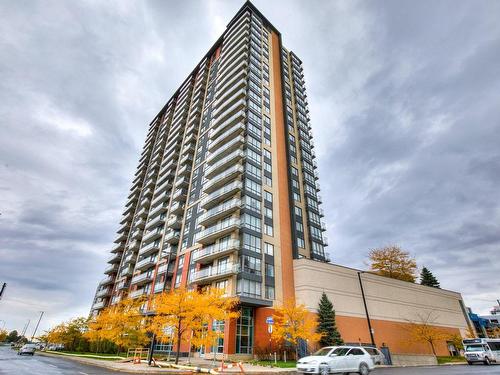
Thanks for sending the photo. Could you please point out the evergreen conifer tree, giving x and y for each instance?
(326, 323)
(428, 279)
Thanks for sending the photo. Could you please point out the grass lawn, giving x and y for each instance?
(442, 360)
(101, 356)
(281, 364)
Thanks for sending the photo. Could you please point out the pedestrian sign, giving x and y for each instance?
(269, 320)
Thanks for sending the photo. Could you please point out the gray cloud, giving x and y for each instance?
(403, 107)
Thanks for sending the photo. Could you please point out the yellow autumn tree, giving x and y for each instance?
(175, 312)
(423, 330)
(123, 324)
(70, 334)
(391, 261)
(3, 335)
(294, 322)
(215, 308)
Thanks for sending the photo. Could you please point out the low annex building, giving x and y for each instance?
(391, 305)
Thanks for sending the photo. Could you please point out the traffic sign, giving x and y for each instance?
(270, 328)
(269, 320)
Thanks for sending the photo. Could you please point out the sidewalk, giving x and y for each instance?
(197, 364)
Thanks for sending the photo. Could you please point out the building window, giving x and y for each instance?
(218, 326)
(268, 229)
(270, 292)
(251, 265)
(268, 196)
(269, 270)
(244, 331)
(251, 242)
(269, 249)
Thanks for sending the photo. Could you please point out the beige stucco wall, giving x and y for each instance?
(387, 299)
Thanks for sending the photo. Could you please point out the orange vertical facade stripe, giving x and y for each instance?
(283, 187)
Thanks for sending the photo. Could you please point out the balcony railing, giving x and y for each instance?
(143, 277)
(207, 254)
(219, 211)
(149, 248)
(222, 178)
(144, 263)
(223, 163)
(137, 293)
(214, 198)
(212, 273)
(211, 233)
(226, 149)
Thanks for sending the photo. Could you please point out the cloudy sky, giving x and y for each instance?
(404, 100)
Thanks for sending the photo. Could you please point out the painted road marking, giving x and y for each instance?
(82, 373)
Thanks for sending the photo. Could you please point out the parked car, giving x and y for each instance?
(378, 357)
(27, 349)
(335, 359)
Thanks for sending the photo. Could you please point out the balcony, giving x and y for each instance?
(154, 222)
(174, 222)
(148, 249)
(158, 210)
(224, 163)
(184, 171)
(103, 292)
(136, 234)
(237, 74)
(223, 178)
(129, 258)
(207, 275)
(145, 202)
(228, 99)
(219, 195)
(98, 305)
(141, 278)
(143, 212)
(166, 268)
(122, 285)
(172, 237)
(137, 293)
(225, 150)
(158, 288)
(234, 108)
(127, 217)
(163, 187)
(182, 182)
(107, 281)
(127, 271)
(145, 263)
(230, 63)
(152, 235)
(179, 195)
(162, 197)
(208, 254)
(118, 247)
(115, 258)
(223, 228)
(120, 238)
(219, 212)
(111, 269)
(177, 208)
(133, 245)
(222, 130)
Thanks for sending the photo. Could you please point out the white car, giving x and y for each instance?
(27, 349)
(335, 359)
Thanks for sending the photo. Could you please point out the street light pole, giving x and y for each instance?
(36, 327)
(366, 307)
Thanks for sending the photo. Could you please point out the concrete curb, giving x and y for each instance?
(119, 366)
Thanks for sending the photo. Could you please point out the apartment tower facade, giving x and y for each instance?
(225, 194)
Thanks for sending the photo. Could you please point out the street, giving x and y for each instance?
(440, 370)
(13, 364)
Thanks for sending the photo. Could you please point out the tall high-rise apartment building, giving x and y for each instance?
(226, 192)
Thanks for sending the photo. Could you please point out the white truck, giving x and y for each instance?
(486, 351)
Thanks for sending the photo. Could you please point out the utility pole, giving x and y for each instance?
(2, 289)
(36, 327)
(366, 308)
(25, 327)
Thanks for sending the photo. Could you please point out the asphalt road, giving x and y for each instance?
(440, 370)
(13, 364)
